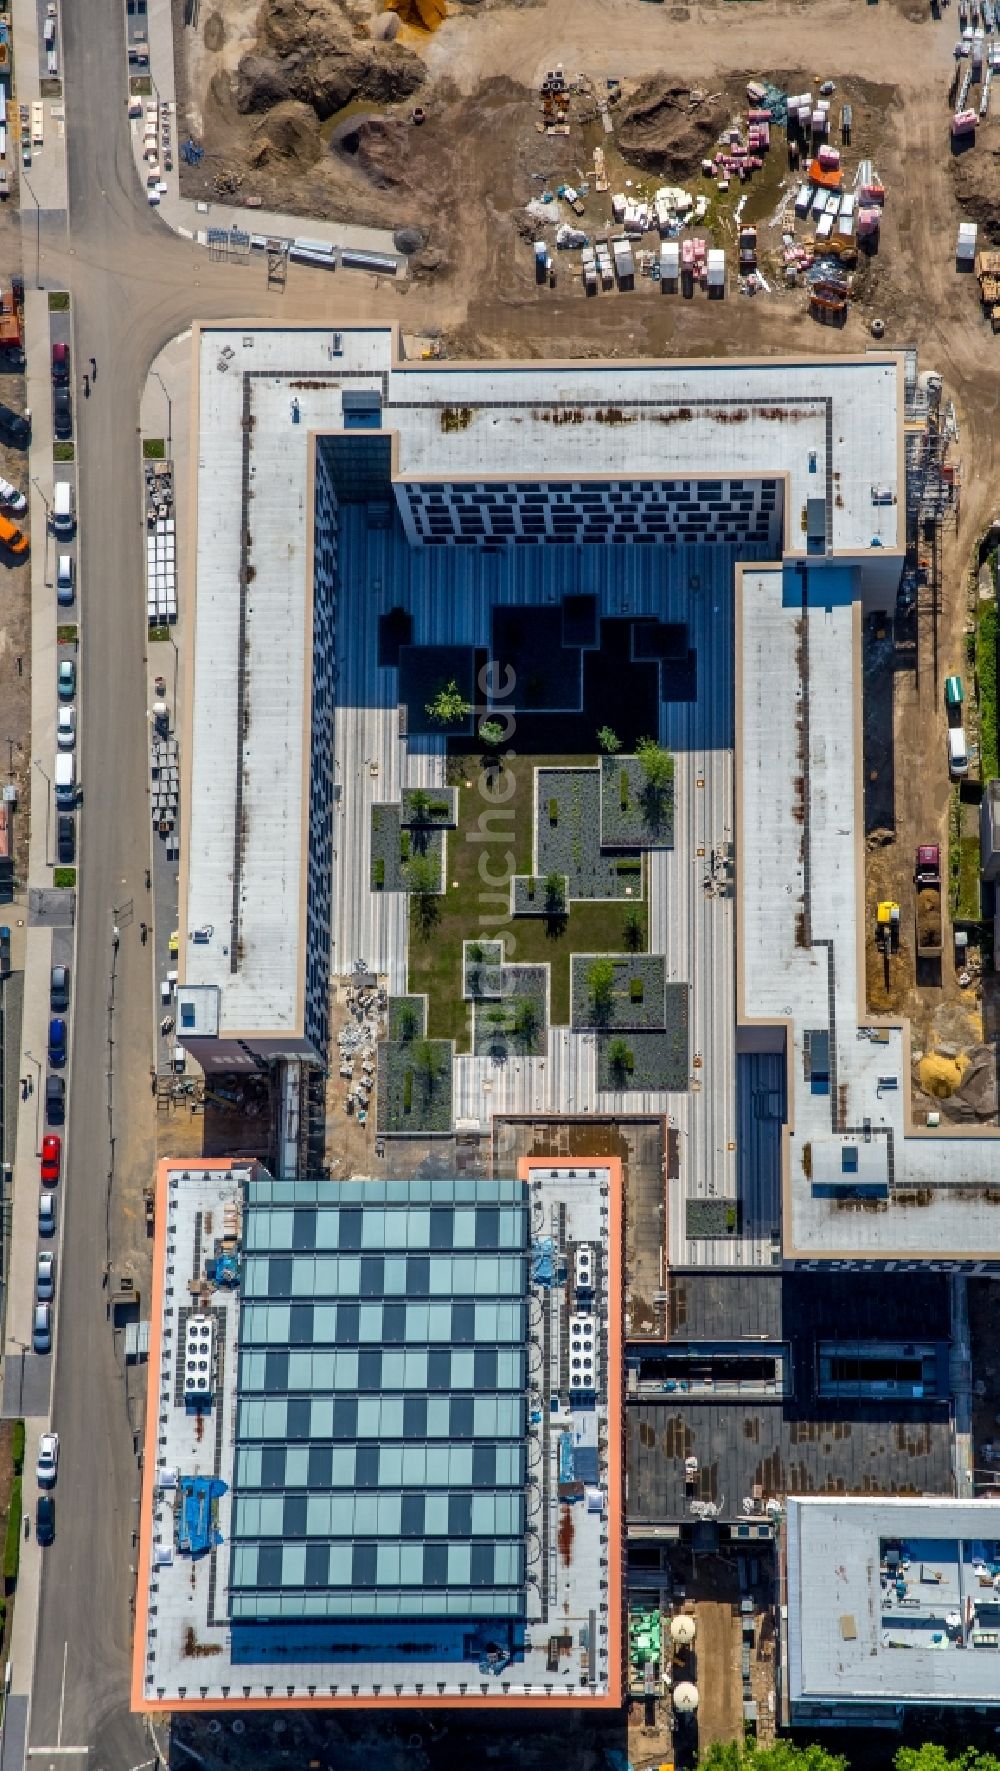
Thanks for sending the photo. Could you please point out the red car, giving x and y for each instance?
(51, 1157)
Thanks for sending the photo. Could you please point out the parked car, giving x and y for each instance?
(59, 987)
(60, 365)
(47, 1467)
(45, 1520)
(66, 839)
(12, 499)
(45, 1277)
(55, 1100)
(67, 680)
(66, 728)
(41, 1328)
(51, 1157)
(46, 1214)
(958, 753)
(62, 413)
(15, 427)
(65, 579)
(57, 1042)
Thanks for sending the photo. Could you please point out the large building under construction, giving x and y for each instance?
(417, 1483)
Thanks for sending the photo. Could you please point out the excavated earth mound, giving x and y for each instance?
(665, 127)
(305, 51)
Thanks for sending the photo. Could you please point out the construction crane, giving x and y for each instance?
(887, 927)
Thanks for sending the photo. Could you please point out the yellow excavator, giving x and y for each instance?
(887, 927)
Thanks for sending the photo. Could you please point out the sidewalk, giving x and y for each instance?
(28, 1376)
(192, 220)
(41, 936)
(172, 368)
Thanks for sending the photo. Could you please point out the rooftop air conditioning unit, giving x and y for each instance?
(199, 1358)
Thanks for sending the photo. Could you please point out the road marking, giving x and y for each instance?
(42, 1752)
(62, 1695)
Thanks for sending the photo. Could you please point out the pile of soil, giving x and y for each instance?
(665, 127)
(972, 1098)
(306, 52)
(289, 132)
(383, 150)
(976, 174)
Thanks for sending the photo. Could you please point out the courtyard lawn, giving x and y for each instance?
(473, 909)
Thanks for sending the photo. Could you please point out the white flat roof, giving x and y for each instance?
(262, 391)
(697, 421)
(801, 898)
(884, 1601)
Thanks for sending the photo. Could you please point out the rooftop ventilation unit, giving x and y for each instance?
(583, 1355)
(199, 1358)
(583, 1268)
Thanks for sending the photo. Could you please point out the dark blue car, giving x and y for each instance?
(57, 1042)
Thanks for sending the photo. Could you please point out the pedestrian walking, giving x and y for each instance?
(147, 879)
(93, 368)
(20, 665)
(86, 387)
(143, 931)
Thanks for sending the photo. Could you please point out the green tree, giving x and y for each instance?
(608, 741)
(423, 877)
(419, 803)
(428, 1063)
(632, 931)
(449, 706)
(408, 1022)
(601, 984)
(931, 1757)
(555, 894)
(620, 1061)
(526, 1023)
(782, 1755)
(657, 764)
(491, 732)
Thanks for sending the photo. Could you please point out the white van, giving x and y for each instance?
(63, 508)
(65, 780)
(958, 753)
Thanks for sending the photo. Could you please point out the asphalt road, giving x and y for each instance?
(134, 285)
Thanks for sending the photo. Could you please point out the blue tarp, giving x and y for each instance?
(565, 1457)
(197, 1532)
(542, 1260)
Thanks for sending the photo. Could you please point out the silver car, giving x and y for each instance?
(46, 1215)
(45, 1277)
(41, 1329)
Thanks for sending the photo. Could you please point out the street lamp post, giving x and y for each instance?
(38, 230)
(48, 528)
(38, 1096)
(170, 435)
(48, 809)
(173, 642)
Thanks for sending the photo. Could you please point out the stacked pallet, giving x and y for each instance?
(161, 571)
(165, 775)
